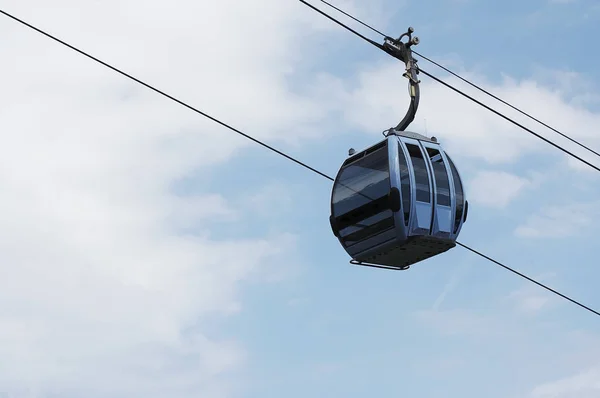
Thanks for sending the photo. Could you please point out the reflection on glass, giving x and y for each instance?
(360, 198)
(442, 182)
(421, 174)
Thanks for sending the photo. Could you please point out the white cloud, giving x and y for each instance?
(379, 101)
(496, 188)
(583, 385)
(449, 286)
(531, 298)
(273, 199)
(559, 221)
(533, 303)
(101, 293)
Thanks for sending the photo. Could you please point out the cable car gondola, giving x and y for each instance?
(401, 200)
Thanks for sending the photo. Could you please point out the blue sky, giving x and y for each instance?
(149, 252)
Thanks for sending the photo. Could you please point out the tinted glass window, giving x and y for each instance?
(442, 181)
(458, 191)
(404, 184)
(368, 227)
(421, 174)
(360, 197)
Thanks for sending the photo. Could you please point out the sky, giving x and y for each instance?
(146, 251)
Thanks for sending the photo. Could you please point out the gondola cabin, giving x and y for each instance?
(398, 202)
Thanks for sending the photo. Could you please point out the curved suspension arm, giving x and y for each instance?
(414, 91)
(401, 50)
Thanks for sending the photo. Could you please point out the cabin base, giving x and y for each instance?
(403, 255)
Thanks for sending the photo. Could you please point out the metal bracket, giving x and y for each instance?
(402, 51)
(356, 262)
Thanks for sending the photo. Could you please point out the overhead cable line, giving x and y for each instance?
(467, 81)
(268, 146)
(162, 93)
(529, 279)
(508, 104)
(358, 20)
(379, 46)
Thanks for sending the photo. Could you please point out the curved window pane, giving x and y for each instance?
(442, 181)
(404, 184)
(421, 174)
(367, 228)
(360, 197)
(458, 191)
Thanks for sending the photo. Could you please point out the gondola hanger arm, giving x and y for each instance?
(402, 51)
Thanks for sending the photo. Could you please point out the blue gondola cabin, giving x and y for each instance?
(398, 202)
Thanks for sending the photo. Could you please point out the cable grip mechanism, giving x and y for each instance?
(402, 50)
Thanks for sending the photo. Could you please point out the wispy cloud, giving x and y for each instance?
(560, 221)
(101, 294)
(583, 385)
(496, 188)
(531, 298)
(450, 286)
